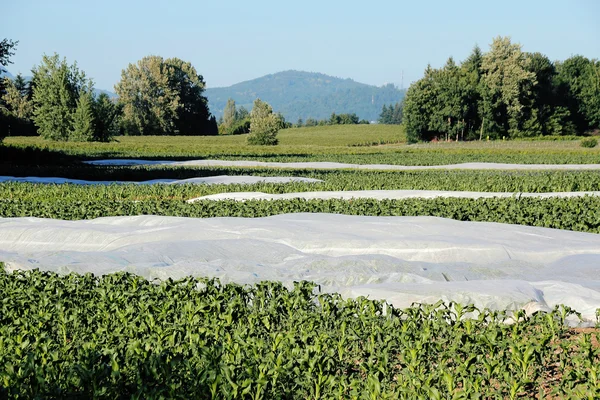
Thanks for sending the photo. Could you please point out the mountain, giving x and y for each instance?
(299, 94)
(28, 78)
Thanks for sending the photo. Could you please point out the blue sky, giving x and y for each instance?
(232, 41)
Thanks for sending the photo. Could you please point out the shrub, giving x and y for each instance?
(589, 142)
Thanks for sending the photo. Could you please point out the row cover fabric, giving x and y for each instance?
(398, 259)
(383, 195)
(334, 165)
(211, 180)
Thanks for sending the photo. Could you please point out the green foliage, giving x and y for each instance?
(589, 142)
(16, 108)
(6, 51)
(56, 90)
(121, 336)
(264, 125)
(238, 128)
(336, 143)
(504, 93)
(391, 115)
(106, 117)
(343, 119)
(577, 214)
(579, 83)
(164, 97)
(475, 181)
(230, 115)
(83, 119)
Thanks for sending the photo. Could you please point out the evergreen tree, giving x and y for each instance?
(83, 119)
(106, 118)
(57, 87)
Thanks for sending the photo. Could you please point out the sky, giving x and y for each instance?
(229, 41)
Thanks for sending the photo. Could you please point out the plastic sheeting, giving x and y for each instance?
(221, 179)
(382, 195)
(399, 259)
(333, 165)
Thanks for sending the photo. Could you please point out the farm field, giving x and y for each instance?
(112, 290)
(359, 144)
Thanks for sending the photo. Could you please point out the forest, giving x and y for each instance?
(504, 93)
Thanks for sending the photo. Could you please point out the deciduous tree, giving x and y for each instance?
(164, 97)
(264, 124)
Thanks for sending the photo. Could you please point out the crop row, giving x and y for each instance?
(577, 214)
(120, 336)
(44, 153)
(482, 181)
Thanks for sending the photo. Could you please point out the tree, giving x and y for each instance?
(420, 106)
(264, 125)
(471, 75)
(508, 84)
(242, 113)
(230, 115)
(6, 51)
(57, 88)
(578, 80)
(83, 119)
(106, 118)
(15, 100)
(164, 97)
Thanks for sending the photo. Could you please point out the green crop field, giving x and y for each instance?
(333, 180)
(120, 336)
(577, 214)
(343, 143)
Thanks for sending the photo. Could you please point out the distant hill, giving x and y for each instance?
(298, 94)
(28, 78)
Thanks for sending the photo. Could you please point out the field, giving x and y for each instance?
(360, 144)
(65, 335)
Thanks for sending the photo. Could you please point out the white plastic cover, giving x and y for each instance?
(220, 179)
(399, 259)
(334, 165)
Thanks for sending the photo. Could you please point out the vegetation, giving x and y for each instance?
(589, 142)
(505, 93)
(58, 89)
(81, 336)
(391, 114)
(234, 121)
(333, 180)
(164, 97)
(7, 47)
(577, 214)
(344, 143)
(307, 95)
(264, 124)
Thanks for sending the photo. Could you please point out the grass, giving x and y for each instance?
(343, 143)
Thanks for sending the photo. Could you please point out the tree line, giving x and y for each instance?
(156, 97)
(334, 119)
(504, 93)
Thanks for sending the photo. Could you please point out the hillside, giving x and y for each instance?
(298, 94)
